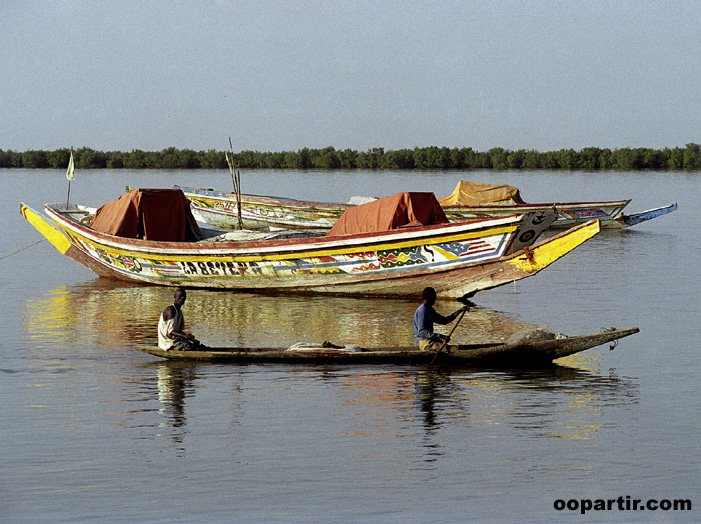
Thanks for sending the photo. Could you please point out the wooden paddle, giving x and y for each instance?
(445, 342)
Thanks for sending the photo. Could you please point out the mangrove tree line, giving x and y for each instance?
(590, 158)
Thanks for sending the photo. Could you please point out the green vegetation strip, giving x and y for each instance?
(590, 158)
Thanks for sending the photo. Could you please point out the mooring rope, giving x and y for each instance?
(25, 247)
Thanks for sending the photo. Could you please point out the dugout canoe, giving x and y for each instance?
(219, 208)
(456, 259)
(533, 353)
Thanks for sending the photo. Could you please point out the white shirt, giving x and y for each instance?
(166, 327)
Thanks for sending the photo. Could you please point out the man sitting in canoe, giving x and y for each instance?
(426, 316)
(171, 326)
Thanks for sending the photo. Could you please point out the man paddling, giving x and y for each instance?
(171, 326)
(426, 316)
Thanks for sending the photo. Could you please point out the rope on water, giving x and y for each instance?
(25, 247)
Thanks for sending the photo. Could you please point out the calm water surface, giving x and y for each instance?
(96, 431)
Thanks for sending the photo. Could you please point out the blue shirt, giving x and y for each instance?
(424, 319)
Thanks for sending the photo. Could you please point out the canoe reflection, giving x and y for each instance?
(386, 402)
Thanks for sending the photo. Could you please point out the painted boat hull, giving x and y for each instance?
(524, 354)
(568, 213)
(456, 259)
(608, 213)
(219, 208)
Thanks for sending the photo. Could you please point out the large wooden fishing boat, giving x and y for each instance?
(520, 353)
(149, 236)
(469, 201)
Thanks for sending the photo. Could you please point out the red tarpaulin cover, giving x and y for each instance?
(401, 210)
(151, 214)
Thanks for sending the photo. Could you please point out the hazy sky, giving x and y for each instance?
(279, 76)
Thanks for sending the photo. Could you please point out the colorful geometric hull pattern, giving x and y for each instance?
(227, 270)
(220, 209)
(566, 216)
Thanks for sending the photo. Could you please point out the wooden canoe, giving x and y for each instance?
(534, 353)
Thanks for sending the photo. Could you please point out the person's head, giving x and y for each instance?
(180, 296)
(429, 296)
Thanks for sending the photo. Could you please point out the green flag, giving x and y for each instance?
(71, 167)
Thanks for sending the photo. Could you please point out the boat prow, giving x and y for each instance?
(59, 240)
(637, 218)
(523, 264)
(46, 228)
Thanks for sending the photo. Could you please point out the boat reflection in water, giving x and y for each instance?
(102, 321)
(108, 314)
(391, 402)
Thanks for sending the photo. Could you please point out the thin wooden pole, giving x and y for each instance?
(445, 342)
(236, 180)
(238, 197)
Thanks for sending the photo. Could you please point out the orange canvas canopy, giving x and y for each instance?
(473, 194)
(401, 210)
(149, 214)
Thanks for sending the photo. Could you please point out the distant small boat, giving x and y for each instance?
(517, 354)
(149, 237)
(469, 201)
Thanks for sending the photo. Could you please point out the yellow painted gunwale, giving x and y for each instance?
(44, 227)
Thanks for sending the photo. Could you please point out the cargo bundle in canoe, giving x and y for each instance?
(515, 354)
